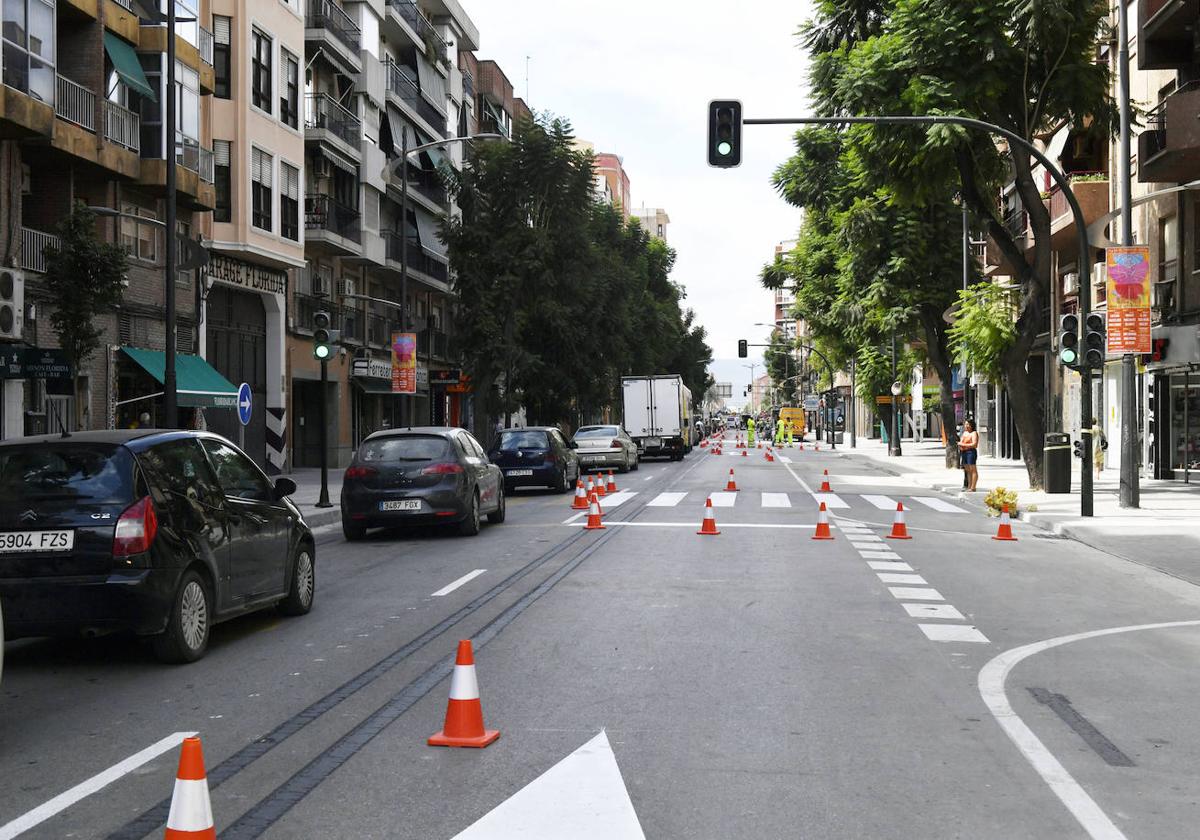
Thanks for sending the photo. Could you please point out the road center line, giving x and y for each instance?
(450, 587)
(86, 788)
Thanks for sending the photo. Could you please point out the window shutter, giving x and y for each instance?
(221, 29)
(267, 162)
(221, 152)
(290, 177)
(255, 165)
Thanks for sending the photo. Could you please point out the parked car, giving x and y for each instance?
(536, 457)
(420, 476)
(606, 447)
(162, 533)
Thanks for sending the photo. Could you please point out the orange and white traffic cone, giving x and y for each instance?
(817, 447)
(464, 713)
(731, 485)
(594, 522)
(1004, 532)
(822, 532)
(612, 483)
(709, 526)
(899, 529)
(600, 491)
(191, 815)
(580, 502)
(744, 455)
(802, 447)
(591, 488)
(825, 483)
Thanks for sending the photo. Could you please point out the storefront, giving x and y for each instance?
(1172, 446)
(375, 405)
(40, 379)
(139, 393)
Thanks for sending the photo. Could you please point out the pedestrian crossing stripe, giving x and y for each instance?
(785, 500)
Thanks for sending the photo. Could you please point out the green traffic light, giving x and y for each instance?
(321, 352)
(1068, 356)
(724, 148)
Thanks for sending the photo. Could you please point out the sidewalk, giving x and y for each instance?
(308, 491)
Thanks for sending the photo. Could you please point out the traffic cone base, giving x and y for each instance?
(822, 532)
(594, 520)
(464, 713)
(709, 526)
(191, 809)
(825, 483)
(1004, 532)
(612, 483)
(899, 529)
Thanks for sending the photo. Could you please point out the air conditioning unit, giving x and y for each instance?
(1071, 283)
(1099, 274)
(12, 303)
(347, 287)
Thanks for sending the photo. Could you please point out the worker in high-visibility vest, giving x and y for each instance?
(791, 431)
(779, 431)
(750, 432)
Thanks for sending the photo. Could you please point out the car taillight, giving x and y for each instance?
(136, 528)
(446, 468)
(550, 458)
(360, 472)
(616, 444)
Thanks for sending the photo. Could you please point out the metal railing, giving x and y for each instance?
(321, 111)
(125, 4)
(33, 249)
(122, 126)
(1058, 204)
(1015, 222)
(322, 212)
(402, 81)
(380, 329)
(347, 319)
(490, 125)
(434, 344)
(323, 14)
(419, 258)
(425, 30)
(206, 46)
(75, 104)
(192, 156)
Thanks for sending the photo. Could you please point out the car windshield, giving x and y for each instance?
(597, 432)
(512, 441)
(99, 473)
(404, 448)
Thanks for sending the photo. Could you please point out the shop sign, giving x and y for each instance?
(422, 377)
(372, 368)
(404, 363)
(445, 377)
(34, 363)
(1128, 301)
(256, 278)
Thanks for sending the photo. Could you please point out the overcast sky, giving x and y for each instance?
(635, 77)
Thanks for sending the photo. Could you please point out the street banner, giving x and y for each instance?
(1128, 272)
(404, 363)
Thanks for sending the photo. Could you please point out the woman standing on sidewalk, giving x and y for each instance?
(968, 446)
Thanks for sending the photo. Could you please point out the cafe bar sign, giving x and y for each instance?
(20, 362)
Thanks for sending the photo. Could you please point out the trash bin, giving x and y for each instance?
(1056, 462)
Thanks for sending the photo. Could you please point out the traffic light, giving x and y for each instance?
(325, 338)
(743, 348)
(1068, 340)
(1078, 447)
(724, 133)
(1093, 341)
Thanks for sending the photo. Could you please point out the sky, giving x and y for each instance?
(635, 77)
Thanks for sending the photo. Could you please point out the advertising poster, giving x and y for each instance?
(1128, 271)
(404, 363)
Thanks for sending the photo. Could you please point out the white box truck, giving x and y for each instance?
(658, 414)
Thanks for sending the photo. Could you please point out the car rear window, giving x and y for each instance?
(511, 441)
(99, 473)
(597, 432)
(404, 448)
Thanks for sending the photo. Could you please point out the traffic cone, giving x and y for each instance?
(802, 447)
(1004, 532)
(899, 530)
(744, 453)
(594, 522)
(731, 485)
(612, 484)
(709, 526)
(822, 532)
(600, 491)
(580, 502)
(464, 714)
(825, 483)
(191, 810)
(591, 488)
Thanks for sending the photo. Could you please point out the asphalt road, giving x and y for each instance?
(753, 684)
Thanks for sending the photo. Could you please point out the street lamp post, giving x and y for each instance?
(894, 439)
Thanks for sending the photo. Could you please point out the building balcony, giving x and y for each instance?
(490, 125)
(1166, 34)
(1091, 191)
(468, 84)
(195, 158)
(33, 249)
(122, 126)
(152, 38)
(75, 104)
(1169, 147)
(422, 32)
(433, 344)
(404, 87)
(332, 227)
(206, 46)
(193, 174)
(351, 321)
(327, 121)
(420, 260)
(326, 23)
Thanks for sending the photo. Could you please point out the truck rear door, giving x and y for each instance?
(639, 415)
(668, 415)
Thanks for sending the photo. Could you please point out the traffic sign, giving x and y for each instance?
(245, 403)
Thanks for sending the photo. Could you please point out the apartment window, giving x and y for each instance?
(261, 165)
(223, 176)
(289, 98)
(28, 45)
(261, 80)
(222, 56)
(289, 202)
(138, 238)
(151, 116)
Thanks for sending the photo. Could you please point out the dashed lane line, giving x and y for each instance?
(450, 587)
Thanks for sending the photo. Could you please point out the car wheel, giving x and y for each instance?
(497, 516)
(564, 483)
(353, 531)
(188, 623)
(299, 599)
(469, 527)
(637, 462)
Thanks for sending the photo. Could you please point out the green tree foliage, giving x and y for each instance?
(783, 368)
(984, 328)
(559, 296)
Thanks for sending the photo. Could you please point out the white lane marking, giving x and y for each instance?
(784, 458)
(902, 592)
(650, 478)
(953, 633)
(666, 500)
(788, 465)
(878, 555)
(776, 500)
(865, 536)
(832, 500)
(579, 515)
(893, 577)
(450, 587)
(889, 566)
(723, 500)
(933, 611)
(615, 500)
(992, 677)
(720, 525)
(881, 502)
(864, 546)
(86, 788)
(938, 504)
(584, 791)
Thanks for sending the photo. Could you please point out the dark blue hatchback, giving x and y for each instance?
(538, 456)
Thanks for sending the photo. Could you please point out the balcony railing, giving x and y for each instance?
(33, 249)
(122, 126)
(380, 329)
(401, 81)
(433, 344)
(206, 46)
(408, 10)
(322, 111)
(75, 104)
(191, 155)
(1015, 222)
(321, 212)
(490, 125)
(351, 321)
(1059, 206)
(125, 4)
(322, 14)
(419, 258)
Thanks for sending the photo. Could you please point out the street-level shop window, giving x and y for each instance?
(261, 165)
(260, 82)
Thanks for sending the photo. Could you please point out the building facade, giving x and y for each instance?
(654, 220)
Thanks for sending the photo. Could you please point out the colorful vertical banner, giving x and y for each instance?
(1128, 271)
(404, 363)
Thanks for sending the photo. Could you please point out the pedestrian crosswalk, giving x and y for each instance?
(832, 501)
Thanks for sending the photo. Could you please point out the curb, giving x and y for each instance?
(321, 517)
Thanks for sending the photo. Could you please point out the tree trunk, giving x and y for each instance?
(1026, 406)
(937, 345)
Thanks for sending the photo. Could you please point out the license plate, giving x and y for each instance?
(653, 443)
(407, 504)
(12, 542)
(519, 472)
(592, 459)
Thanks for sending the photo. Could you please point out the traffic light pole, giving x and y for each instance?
(323, 501)
(1130, 491)
(1017, 141)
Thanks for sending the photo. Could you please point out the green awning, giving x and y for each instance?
(126, 64)
(196, 381)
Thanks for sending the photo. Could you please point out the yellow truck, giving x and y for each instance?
(794, 416)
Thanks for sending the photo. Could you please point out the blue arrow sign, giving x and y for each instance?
(244, 403)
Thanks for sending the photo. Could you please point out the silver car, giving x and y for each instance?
(605, 448)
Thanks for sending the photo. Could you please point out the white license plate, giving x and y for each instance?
(12, 542)
(407, 504)
(517, 473)
(653, 443)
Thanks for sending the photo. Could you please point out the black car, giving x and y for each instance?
(162, 533)
(539, 456)
(418, 476)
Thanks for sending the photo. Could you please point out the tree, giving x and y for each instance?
(782, 367)
(84, 277)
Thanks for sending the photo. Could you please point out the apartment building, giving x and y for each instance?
(654, 220)
(611, 179)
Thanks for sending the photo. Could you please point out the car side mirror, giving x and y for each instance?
(284, 487)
